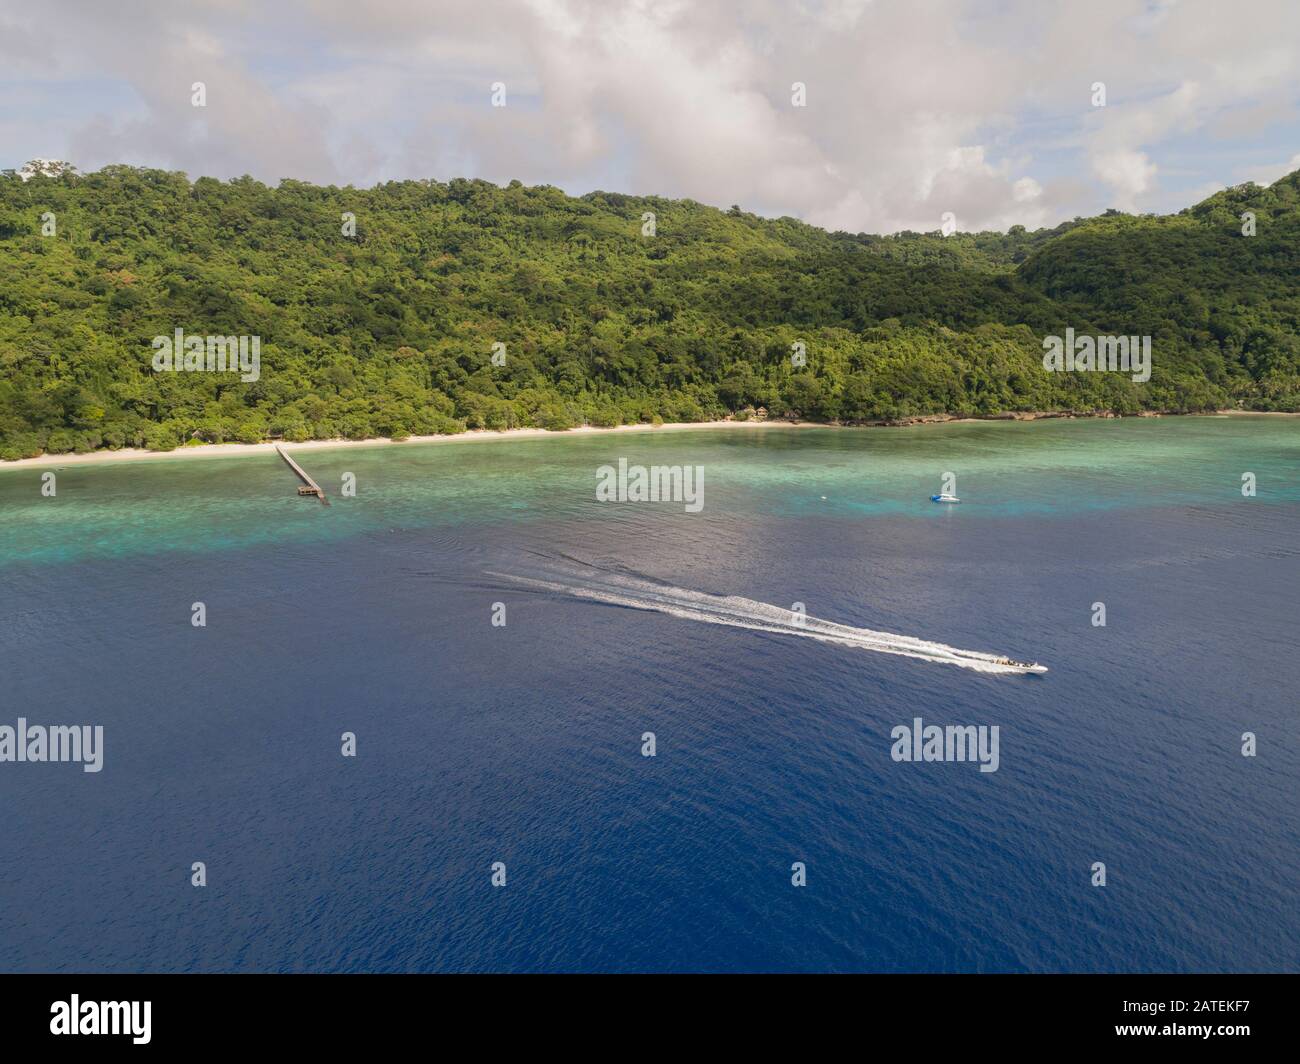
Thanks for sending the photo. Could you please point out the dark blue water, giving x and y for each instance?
(522, 744)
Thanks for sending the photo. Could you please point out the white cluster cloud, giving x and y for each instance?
(913, 109)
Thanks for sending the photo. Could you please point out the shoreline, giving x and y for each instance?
(234, 450)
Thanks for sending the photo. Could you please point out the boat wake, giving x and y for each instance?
(636, 592)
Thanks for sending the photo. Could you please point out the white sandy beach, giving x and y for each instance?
(231, 450)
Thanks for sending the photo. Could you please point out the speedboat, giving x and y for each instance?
(1023, 666)
(944, 497)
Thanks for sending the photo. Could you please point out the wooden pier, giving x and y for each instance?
(308, 486)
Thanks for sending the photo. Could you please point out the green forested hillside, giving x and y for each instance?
(390, 332)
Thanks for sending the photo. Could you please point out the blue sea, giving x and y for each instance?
(522, 744)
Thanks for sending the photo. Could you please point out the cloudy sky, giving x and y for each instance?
(913, 107)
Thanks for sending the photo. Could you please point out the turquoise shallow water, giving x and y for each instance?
(1003, 469)
(522, 744)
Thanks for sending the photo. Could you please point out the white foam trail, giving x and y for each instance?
(740, 612)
